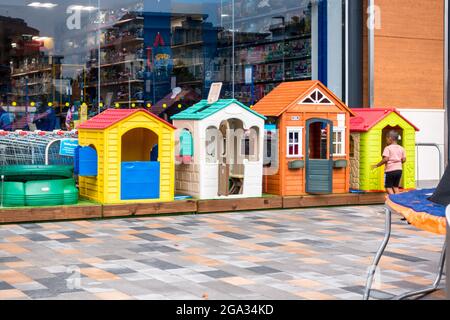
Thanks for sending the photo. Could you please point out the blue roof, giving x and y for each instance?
(203, 110)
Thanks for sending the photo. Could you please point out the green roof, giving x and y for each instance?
(203, 110)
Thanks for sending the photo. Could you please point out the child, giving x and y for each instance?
(393, 158)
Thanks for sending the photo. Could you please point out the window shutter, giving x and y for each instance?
(186, 144)
(88, 162)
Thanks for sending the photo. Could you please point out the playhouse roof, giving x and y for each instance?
(287, 93)
(110, 117)
(203, 110)
(366, 118)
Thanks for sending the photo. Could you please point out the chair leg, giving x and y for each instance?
(434, 286)
(379, 254)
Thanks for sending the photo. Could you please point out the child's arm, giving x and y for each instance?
(384, 161)
(381, 163)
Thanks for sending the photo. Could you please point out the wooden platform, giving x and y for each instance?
(350, 199)
(142, 209)
(247, 204)
(97, 211)
(33, 214)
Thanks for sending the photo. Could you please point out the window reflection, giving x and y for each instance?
(162, 56)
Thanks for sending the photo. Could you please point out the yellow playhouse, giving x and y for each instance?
(367, 142)
(126, 156)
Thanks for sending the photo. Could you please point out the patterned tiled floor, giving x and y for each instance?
(280, 254)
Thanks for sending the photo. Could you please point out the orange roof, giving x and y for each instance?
(287, 93)
(109, 117)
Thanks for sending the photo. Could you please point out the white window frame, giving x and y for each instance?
(343, 132)
(298, 130)
(317, 101)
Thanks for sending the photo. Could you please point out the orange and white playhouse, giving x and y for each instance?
(313, 130)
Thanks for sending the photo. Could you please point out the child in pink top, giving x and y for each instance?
(393, 158)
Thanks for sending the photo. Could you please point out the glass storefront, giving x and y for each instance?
(62, 59)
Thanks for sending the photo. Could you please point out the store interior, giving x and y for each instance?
(56, 57)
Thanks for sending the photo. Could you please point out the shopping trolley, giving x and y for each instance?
(37, 147)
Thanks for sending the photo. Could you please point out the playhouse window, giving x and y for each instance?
(339, 141)
(294, 142)
(186, 144)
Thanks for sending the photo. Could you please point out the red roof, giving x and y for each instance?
(366, 119)
(110, 117)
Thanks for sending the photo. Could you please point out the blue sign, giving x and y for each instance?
(67, 147)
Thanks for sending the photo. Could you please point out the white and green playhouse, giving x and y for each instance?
(219, 151)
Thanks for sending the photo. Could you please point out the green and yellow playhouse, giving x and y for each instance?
(367, 142)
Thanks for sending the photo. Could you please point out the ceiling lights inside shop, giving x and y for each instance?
(42, 5)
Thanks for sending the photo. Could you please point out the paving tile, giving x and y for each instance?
(160, 264)
(148, 237)
(263, 270)
(270, 244)
(5, 286)
(172, 231)
(9, 259)
(217, 274)
(404, 257)
(233, 235)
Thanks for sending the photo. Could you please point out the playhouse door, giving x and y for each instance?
(319, 158)
(224, 179)
(140, 180)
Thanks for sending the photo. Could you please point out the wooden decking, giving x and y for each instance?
(98, 211)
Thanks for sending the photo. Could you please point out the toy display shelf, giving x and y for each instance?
(32, 79)
(90, 210)
(121, 46)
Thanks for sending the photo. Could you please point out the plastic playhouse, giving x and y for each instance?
(220, 150)
(368, 132)
(126, 156)
(313, 133)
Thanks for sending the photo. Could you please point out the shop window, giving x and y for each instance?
(294, 142)
(339, 141)
(316, 97)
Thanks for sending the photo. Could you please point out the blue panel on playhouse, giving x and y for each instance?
(140, 180)
(76, 161)
(87, 162)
